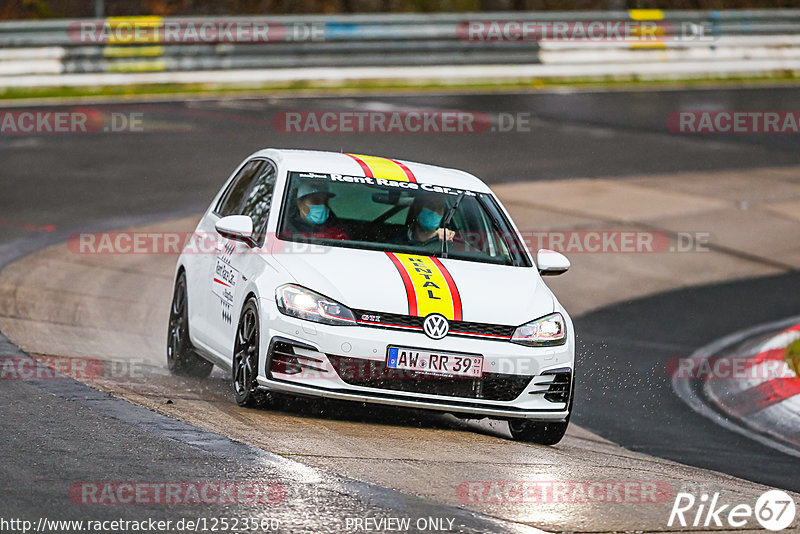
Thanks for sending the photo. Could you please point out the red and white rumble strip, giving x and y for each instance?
(767, 396)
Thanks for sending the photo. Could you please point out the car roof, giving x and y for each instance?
(341, 163)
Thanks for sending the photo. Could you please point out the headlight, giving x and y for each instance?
(546, 331)
(306, 304)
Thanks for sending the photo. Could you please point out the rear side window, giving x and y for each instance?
(258, 201)
(231, 201)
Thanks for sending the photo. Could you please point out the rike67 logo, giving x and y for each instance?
(774, 510)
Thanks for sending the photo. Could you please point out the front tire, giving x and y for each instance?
(537, 432)
(182, 360)
(546, 433)
(245, 359)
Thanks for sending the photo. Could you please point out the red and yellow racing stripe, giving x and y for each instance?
(429, 286)
(385, 168)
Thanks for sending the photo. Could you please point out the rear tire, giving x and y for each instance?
(182, 360)
(245, 359)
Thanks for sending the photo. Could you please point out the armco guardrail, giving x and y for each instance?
(643, 43)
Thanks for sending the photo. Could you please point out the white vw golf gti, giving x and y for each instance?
(375, 280)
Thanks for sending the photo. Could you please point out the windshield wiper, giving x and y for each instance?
(446, 220)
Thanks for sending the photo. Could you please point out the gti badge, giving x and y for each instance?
(435, 326)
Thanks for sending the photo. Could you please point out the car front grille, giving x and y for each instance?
(412, 323)
(375, 374)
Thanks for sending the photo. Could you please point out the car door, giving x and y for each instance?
(229, 202)
(236, 262)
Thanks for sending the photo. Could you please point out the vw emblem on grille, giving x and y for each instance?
(435, 326)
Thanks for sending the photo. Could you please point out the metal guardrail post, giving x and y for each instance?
(99, 9)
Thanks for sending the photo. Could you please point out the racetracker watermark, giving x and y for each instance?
(565, 241)
(155, 30)
(564, 491)
(74, 121)
(422, 121)
(407, 122)
(734, 122)
(597, 31)
(764, 366)
(62, 367)
(123, 243)
(197, 492)
(617, 241)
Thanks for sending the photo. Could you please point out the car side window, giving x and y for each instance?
(231, 201)
(258, 201)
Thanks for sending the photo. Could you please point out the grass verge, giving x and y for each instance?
(122, 92)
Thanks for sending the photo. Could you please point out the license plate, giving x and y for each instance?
(440, 363)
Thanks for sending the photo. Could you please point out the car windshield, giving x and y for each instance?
(387, 215)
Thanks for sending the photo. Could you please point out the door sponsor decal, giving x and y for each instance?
(224, 285)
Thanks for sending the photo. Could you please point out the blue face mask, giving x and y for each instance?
(429, 219)
(318, 213)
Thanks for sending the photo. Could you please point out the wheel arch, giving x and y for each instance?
(250, 294)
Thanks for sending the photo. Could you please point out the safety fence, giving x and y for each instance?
(636, 43)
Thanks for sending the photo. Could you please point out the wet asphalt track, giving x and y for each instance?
(626, 394)
(99, 181)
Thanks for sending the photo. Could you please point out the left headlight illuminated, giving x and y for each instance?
(303, 303)
(543, 332)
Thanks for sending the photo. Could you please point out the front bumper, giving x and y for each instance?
(307, 358)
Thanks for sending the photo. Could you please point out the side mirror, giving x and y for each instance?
(236, 227)
(551, 263)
